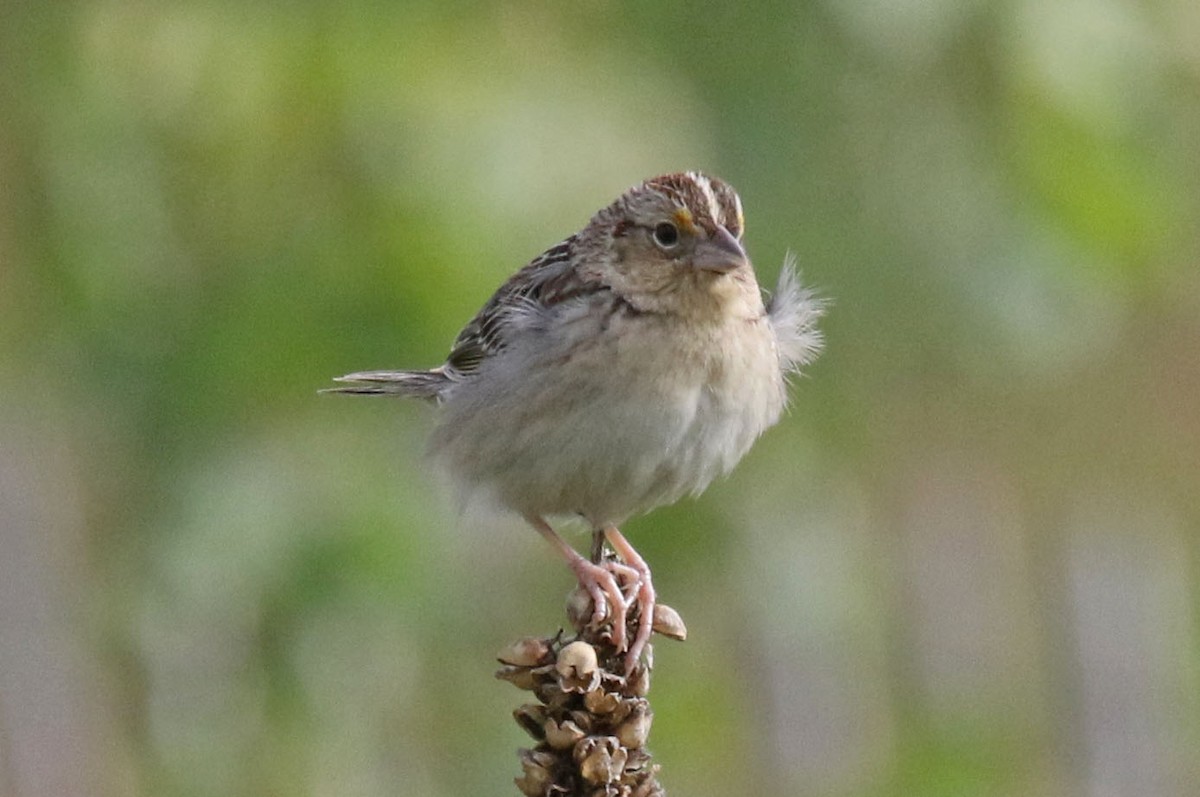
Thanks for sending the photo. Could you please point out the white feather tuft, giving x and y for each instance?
(794, 311)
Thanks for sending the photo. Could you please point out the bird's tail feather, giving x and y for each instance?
(413, 384)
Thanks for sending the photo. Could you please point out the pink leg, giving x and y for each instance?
(598, 580)
(644, 597)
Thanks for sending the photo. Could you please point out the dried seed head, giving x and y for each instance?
(527, 652)
(598, 701)
(625, 706)
(639, 764)
(520, 677)
(648, 789)
(638, 683)
(583, 720)
(601, 759)
(535, 780)
(549, 692)
(592, 722)
(579, 608)
(578, 668)
(634, 729)
(562, 735)
(532, 719)
(668, 622)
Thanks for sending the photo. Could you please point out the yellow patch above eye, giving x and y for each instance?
(683, 218)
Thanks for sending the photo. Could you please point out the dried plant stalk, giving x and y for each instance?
(590, 722)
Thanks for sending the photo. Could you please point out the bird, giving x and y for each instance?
(620, 370)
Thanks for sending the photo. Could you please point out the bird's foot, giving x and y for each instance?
(619, 588)
(630, 579)
(608, 601)
(643, 600)
(640, 597)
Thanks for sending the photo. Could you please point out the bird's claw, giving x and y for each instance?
(642, 596)
(615, 589)
(608, 601)
(632, 578)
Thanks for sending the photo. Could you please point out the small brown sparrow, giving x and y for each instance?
(620, 370)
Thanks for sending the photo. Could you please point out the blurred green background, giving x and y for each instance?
(968, 562)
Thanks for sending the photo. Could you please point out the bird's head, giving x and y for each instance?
(674, 244)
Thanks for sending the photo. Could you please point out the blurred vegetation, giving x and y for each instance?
(966, 564)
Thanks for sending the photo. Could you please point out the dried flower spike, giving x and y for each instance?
(592, 720)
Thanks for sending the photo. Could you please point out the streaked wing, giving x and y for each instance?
(550, 278)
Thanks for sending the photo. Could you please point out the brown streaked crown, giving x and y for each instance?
(710, 200)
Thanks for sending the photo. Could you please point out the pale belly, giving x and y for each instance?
(618, 426)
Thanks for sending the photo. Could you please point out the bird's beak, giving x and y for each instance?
(721, 253)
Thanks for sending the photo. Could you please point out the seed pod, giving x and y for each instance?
(598, 701)
(582, 720)
(526, 652)
(668, 622)
(532, 719)
(638, 683)
(625, 706)
(649, 788)
(609, 790)
(549, 692)
(601, 759)
(535, 780)
(520, 677)
(578, 668)
(635, 728)
(639, 764)
(579, 608)
(562, 735)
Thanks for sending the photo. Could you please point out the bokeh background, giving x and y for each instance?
(968, 562)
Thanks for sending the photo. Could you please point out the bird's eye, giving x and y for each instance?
(666, 235)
